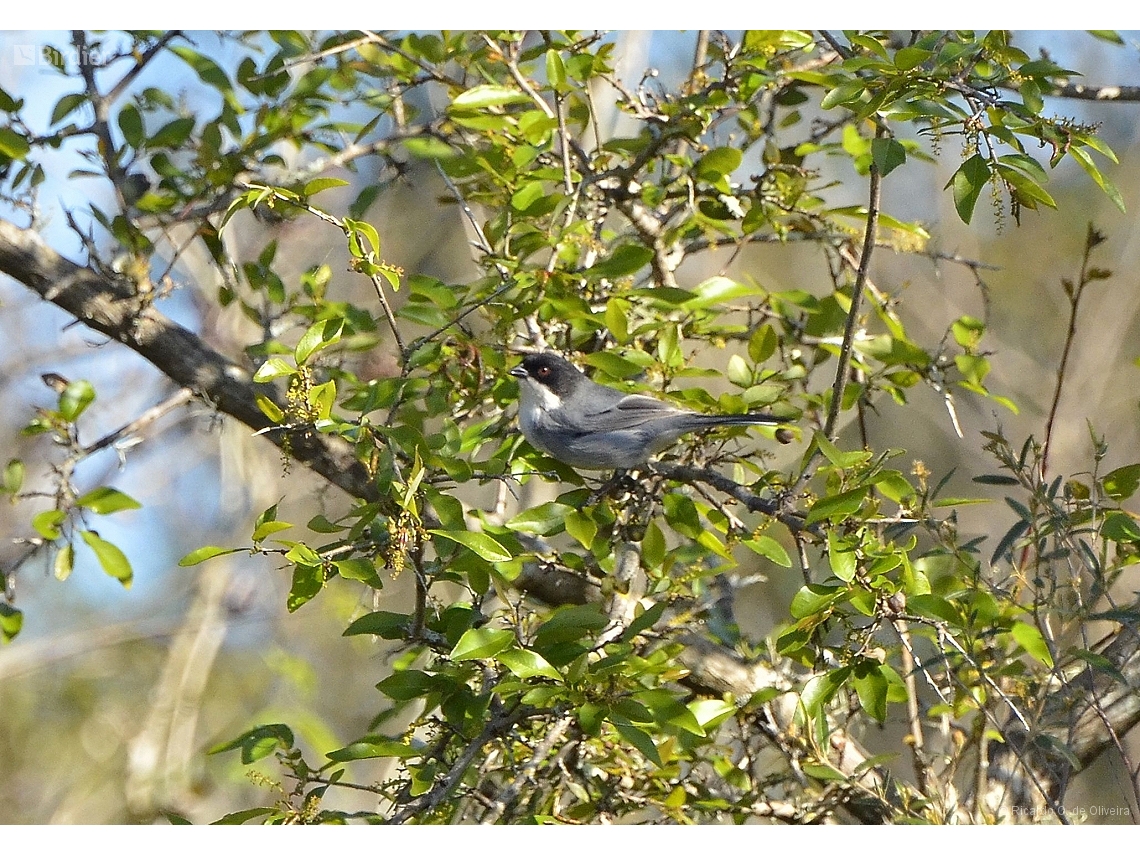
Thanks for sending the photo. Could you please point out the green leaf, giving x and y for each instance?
(360, 570)
(1030, 638)
(208, 71)
(107, 500)
(13, 478)
(488, 95)
(308, 581)
(64, 562)
(258, 743)
(204, 553)
(483, 545)
(111, 558)
(312, 188)
(47, 523)
(1120, 484)
(841, 556)
(267, 528)
(871, 689)
(887, 154)
(272, 368)
(75, 399)
(968, 182)
(822, 688)
(373, 745)
(911, 57)
(845, 93)
(317, 337)
(66, 105)
(644, 621)
(390, 625)
(812, 600)
(1110, 36)
(718, 163)
(718, 290)
(770, 549)
(526, 664)
(625, 260)
(838, 507)
(11, 622)
(482, 643)
(638, 738)
(13, 145)
(556, 71)
(131, 124)
(1085, 160)
(1117, 526)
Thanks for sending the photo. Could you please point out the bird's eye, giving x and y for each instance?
(543, 372)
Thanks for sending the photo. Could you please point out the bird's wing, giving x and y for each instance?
(628, 412)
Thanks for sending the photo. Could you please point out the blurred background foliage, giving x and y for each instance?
(110, 697)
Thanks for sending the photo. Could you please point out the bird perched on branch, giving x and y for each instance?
(567, 415)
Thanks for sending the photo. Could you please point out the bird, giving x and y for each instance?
(586, 425)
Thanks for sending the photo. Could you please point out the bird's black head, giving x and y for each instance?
(551, 371)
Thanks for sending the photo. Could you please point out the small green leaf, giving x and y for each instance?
(526, 664)
(390, 625)
(483, 545)
(638, 738)
(1117, 526)
(410, 684)
(111, 558)
(887, 154)
(479, 97)
(258, 743)
(47, 523)
(838, 507)
(626, 259)
(13, 145)
(312, 188)
(64, 562)
(66, 105)
(107, 500)
(1030, 638)
(131, 124)
(203, 553)
(482, 643)
(308, 581)
(272, 368)
(770, 549)
(75, 399)
(1085, 160)
(555, 71)
(968, 182)
(13, 478)
(718, 163)
(267, 528)
(11, 621)
(360, 570)
(871, 688)
(1120, 484)
(841, 556)
(373, 745)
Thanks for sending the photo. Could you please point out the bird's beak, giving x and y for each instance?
(518, 371)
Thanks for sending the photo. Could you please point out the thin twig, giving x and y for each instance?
(1074, 292)
(156, 412)
(829, 428)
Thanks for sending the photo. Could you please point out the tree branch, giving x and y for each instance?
(111, 307)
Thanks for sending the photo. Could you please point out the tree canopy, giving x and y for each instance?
(892, 609)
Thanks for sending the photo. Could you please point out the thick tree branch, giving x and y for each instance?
(112, 308)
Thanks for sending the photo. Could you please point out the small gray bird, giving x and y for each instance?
(567, 415)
